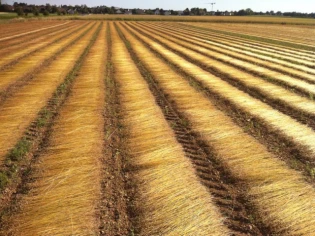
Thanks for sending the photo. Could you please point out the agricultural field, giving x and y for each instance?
(156, 128)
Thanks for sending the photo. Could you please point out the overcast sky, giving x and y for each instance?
(230, 5)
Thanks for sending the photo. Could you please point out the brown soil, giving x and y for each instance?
(114, 216)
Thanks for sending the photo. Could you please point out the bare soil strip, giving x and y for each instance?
(114, 217)
(33, 31)
(67, 175)
(270, 93)
(11, 56)
(12, 78)
(281, 50)
(245, 67)
(18, 111)
(169, 198)
(284, 67)
(281, 196)
(297, 135)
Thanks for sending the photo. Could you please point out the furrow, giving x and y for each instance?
(252, 43)
(296, 134)
(32, 31)
(64, 195)
(18, 111)
(284, 67)
(300, 108)
(14, 77)
(281, 196)
(170, 200)
(242, 67)
(227, 194)
(9, 58)
(115, 201)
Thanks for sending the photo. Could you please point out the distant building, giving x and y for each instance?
(128, 12)
(167, 13)
(71, 11)
(180, 13)
(118, 11)
(157, 12)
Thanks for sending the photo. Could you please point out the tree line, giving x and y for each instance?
(24, 9)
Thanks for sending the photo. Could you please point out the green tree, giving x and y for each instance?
(48, 8)
(19, 11)
(35, 11)
(186, 12)
(46, 13)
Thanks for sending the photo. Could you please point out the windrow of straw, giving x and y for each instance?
(273, 92)
(30, 64)
(12, 54)
(28, 39)
(280, 195)
(170, 200)
(278, 49)
(284, 67)
(24, 26)
(304, 48)
(19, 110)
(299, 35)
(235, 67)
(31, 30)
(64, 196)
(245, 46)
(297, 133)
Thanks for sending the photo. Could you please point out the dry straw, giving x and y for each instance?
(19, 110)
(298, 51)
(276, 50)
(241, 53)
(64, 197)
(300, 134)
(24, 48)
(171, 200)
(281, 196)
(247, 46)
(32, 62)
(250, 80)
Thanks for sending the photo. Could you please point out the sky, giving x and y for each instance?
(306, 6)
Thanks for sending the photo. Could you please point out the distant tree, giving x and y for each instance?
(35, 11)
(249, 12)
(186, 12)
(46, 13)
(162, 11)
(174, 13)
(149, 12)
(19, 11)
(54, 9)
(48, 8)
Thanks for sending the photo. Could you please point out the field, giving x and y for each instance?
(157, 127)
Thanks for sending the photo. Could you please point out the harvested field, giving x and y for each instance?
(157, 127)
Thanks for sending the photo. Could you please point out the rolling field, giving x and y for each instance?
(156, 128)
